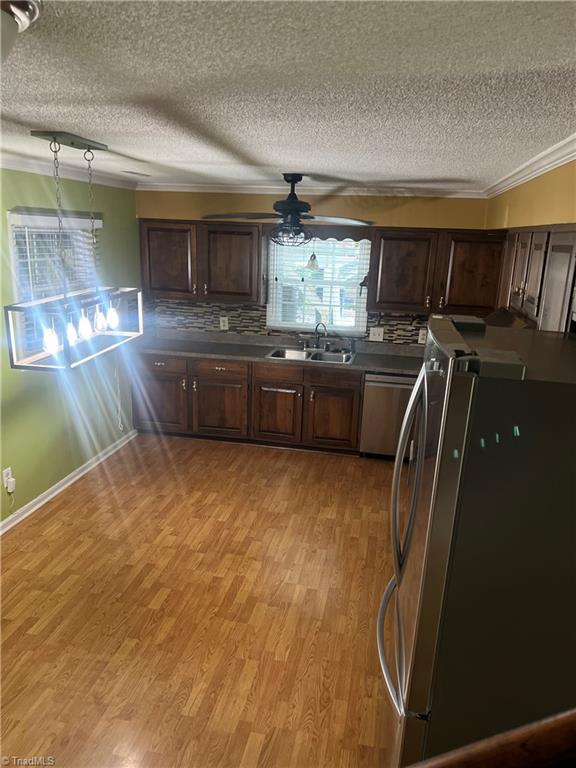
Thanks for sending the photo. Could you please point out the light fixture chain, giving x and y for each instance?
(55, 148)
(89, 157)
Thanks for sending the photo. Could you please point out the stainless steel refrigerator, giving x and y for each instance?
(476, 628)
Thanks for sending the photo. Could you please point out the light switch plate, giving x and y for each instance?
(376, 334)
(223, 323)
(422, 333)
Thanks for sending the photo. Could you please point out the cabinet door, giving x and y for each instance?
(168, 258)
(160, 401)
(520, 269)
(277, 412)
(402, 270)
(507, 270)
(535, 273)
(558, 282)
(331, 416)
(228, 262)
(220, 406)
(468, 272)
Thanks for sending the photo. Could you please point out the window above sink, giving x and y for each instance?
(305, 291)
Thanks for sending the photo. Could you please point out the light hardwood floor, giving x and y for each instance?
(199, 604)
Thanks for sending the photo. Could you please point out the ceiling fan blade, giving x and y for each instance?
(336, 220)
(216, 216)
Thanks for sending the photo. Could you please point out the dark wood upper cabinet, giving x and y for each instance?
(535, 274)
(228, 262)
(468, 268)
(168, 258)
(401, 270)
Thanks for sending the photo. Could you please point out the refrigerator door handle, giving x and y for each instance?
(393, 693)
(409, 416)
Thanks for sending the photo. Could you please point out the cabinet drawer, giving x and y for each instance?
(223, 368)
(279, 372)
(163, 363)
(332, 377)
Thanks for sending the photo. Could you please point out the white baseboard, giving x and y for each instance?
(39, 501)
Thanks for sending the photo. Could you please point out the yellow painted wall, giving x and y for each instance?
(547, 199)
(383, 211)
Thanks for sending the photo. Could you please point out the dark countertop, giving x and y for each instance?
(363, 361)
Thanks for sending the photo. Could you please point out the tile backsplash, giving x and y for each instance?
(172, 314)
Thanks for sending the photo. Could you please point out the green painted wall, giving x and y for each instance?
(51, 423)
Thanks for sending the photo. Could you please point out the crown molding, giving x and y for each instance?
(304, 189)
(46, 168)
(553, 157)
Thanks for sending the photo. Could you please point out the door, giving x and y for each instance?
(520, 269)
(535, 273)
(331, 416)
(220, 406)
(160, 401)
(558, 282)
(168, 256)
(277, 411)
(228, 262)
(468, 272)
(402, 270)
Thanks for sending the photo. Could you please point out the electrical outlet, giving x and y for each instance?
(422, 333)
(223, 323)
(376, 334)
(6, 475)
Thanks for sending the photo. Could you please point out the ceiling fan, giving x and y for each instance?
(290, 213)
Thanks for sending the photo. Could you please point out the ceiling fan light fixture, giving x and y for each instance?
(290, 233)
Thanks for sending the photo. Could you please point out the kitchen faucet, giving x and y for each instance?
(317, 333)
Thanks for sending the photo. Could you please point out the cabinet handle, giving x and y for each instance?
(194, 386)
(219, 368)
(282, 391)
(299, 394)
(205, 289)
(312, 396)
(159, 364)
(441, 303)
(428, 302)
(183, 382)
(194, 290)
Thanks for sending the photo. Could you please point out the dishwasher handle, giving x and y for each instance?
(376, 380)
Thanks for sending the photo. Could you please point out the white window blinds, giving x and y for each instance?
(300, 297)
(36, 255)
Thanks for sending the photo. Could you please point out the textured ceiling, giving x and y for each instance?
(408, 95)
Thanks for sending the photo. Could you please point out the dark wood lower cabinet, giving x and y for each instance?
(331, 416)
(160, 401)
(289, 404)
(219, 407)
(277, 412)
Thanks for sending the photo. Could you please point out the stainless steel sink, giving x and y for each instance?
(312, 355)
(290, 354)
(332, 357)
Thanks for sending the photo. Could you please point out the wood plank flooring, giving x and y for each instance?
(200, 604)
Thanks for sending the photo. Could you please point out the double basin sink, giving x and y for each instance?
(312, 355)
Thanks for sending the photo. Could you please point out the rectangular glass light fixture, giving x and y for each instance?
(68, 330)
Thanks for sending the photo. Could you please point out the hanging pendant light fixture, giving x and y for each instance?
(312, 263)
(73, 327)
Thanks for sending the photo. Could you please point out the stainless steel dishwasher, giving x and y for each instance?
(385, 399)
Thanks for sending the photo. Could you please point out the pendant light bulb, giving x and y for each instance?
(84, 328)
(71, 333)
(50, 341)
(112, 318)
(99, 320)
(313, 263)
